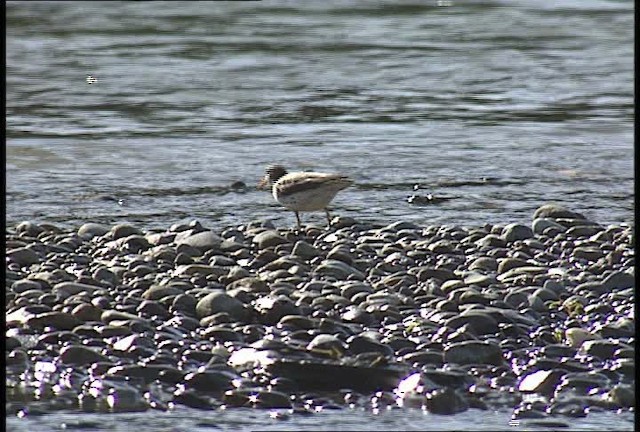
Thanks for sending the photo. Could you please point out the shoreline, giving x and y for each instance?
(538, 318)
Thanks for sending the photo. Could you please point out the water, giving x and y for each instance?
(500, 106)
(240, 419)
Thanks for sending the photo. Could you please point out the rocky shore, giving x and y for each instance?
(538, 318)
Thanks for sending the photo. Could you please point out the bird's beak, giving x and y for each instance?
(264, 182)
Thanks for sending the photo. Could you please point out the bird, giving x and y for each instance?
(303, 191)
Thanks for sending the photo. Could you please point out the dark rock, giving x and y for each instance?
(473, 352)
(477, 322)
(209, 381)
(359, 344)
(23, 256)
(446, 401)
(192, 399)
(86, 312)
(618, 280)
(57, 320)
(271, 309)
(317, 376)
(23, 285)
(79, 355)
(602, 349)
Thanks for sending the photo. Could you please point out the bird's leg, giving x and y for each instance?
(298, 219)
(326, 211)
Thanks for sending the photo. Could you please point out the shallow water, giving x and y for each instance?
(500, 106)
(240, 419)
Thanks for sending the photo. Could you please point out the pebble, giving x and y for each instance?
(338, 270)
(473, 352)
(555, 211)
(269, 238)
(80, 355)
(543, 225)
(90, 230)
(23, 256)
(515, 231)
(203, 241)
(219, 301)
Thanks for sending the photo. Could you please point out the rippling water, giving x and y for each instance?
(240, 419)
(498, 106)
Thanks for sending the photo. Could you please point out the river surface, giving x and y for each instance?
(153, 113)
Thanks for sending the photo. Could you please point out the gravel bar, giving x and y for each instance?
(534, 318)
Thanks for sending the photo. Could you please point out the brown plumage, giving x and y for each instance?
(304, 191)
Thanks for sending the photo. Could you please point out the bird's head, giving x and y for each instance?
(272, 174)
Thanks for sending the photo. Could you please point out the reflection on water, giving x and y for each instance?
(191, 97)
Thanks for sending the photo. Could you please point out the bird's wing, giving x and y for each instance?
(297, 182)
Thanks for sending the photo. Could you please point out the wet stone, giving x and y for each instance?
(209, 381)
(446, 402)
